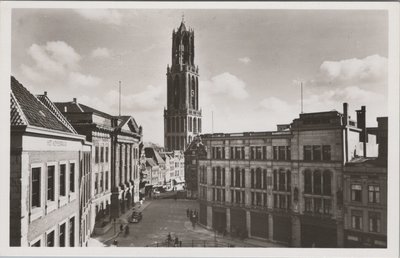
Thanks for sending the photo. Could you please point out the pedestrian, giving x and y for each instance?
(169, 238)
(191, 214)
(176, 241)
(115, 242)
(187, 212)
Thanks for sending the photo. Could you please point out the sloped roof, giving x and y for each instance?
(50, 105)
(152, 153)
(150, 162)
(125, 119)
(75, 107)
(29, 110)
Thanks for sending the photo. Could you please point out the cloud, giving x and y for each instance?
(371, 69)
(56, 63)
(100, 52)
(225, 84)
(77, 80)
(245, 60)
(106, 16)
(148, 100)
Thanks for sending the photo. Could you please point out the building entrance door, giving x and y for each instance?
(219, 220)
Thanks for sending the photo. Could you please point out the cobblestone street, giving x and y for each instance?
(163, 216)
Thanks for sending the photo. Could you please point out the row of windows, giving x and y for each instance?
(282, 201)
(317, 183)
(373, 193)
(374, 221)
(101, 154)
(218, 176)
(101, 182)
(258, 179)
(317, 205)
(317, 152)
(50, 182)
(179, 124)
(259, 199)
(282, 180)
(178, 142)
(281, 153)
(50, 239)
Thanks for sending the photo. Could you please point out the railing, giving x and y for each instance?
(191, 243)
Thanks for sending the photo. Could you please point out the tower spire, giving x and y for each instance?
(183, 17)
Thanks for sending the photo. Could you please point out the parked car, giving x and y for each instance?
(135, 217)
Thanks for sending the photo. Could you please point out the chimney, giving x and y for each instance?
(345, 114)
(74, 100)
(361, 124)
(45, 93)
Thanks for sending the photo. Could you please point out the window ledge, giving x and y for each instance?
(63, 200)
(36, 213)
(51, 206)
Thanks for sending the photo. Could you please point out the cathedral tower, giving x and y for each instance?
(182, 117)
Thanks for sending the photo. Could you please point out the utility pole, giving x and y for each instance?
(119, 106)
(212, 121)
(301, 86)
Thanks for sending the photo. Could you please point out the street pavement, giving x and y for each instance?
(164, 216)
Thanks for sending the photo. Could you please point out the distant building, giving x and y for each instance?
(182, 117)
(195, 151)
(365, 195)
(153, 154)
(48, 195)
(285, 185)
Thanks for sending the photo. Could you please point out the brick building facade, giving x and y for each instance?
(285, 185)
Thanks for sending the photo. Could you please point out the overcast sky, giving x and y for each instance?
(250, 62)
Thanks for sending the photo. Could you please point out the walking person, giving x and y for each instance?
(176, 243)
(187, 212)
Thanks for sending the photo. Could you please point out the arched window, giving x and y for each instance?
(182, 125)
(193, 93)
(258, 178)
(252, 177)
(288, 181)
(199, 125)
(243, 178)
(317, 182)
(327, 183)
(194, 125)
(219, 176)
(282, 181)
(177, 143)
(237, 177)
(307, 181)
(176, 92)
(173, 124)
(190, 124)
(197, 93)
(177, 124)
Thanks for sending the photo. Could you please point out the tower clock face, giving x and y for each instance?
(192, 93)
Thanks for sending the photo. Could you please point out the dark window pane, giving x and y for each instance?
(36, 173)
(307, 152)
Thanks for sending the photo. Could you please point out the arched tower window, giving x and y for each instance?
(193, 93)
(177, 124)
(197, 93)
(173, 124)
(176, 92)
(199, 125)
(194, 125)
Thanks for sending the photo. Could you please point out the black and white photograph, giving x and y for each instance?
(232, 128)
